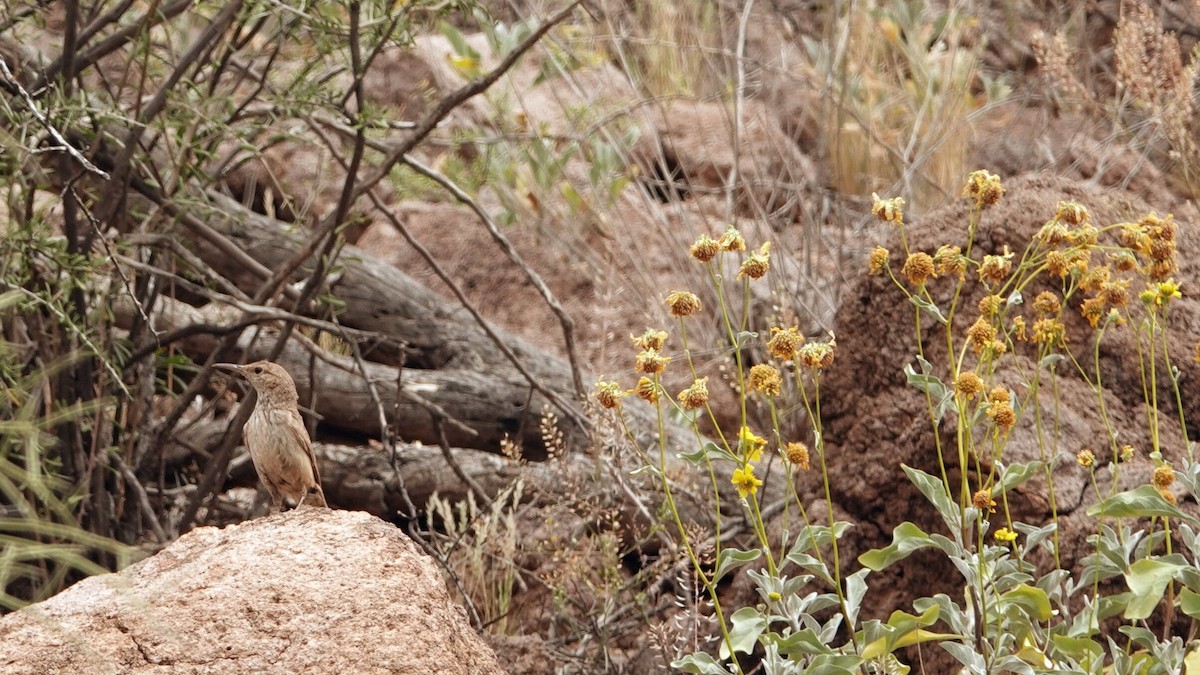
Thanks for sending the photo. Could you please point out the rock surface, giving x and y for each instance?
(308, 591)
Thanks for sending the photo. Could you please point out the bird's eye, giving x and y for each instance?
(258, 369)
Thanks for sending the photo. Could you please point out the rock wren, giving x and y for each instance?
(276, 437)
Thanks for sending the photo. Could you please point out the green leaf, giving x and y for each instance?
(730, 558)
(1189, 602)
(1080, 649)
(1016, 474)
(903, 629)
(941, 397)
(1147, 580)
(802, 642)
(709, 452)
(906, 538)
(747, 624)
(830, 664)
(1032, 599)
(929, 308)
(936, 493)
(1142, 502)
(701, 663)
(856, 590)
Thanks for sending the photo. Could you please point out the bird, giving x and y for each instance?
(276, 438)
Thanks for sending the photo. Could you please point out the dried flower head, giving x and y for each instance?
(1134, 237)
(878, 262)
(784, 344)
(765, 379)
(968, 384)
(1092, 309)
(1002, 416)
(1058, 264)
(1050, 332)
(750, 444)
(1054, 232)
(651, 339)
(1085, 458)
(683, 303)
(651, 361)
(999, 395)
(745, 481)
(647, 390)
(1124, 261)
(1168, 496)
(705, 248)
(797, 453)
(949, 261)
(1095, 278)
(1047, 303)
(608, 394)
(980, 334)
(1072, 213)
(1005, 535)
(696, 395)
(1019, 328)
(1116, 293)
(1127, 452)
(918, 268)
(732, 240)
(983, 187)
(888, 210)
(817, 355)
(982, 500)
(990, 305)
(1163, 476)
(757, 264)
(995, 268)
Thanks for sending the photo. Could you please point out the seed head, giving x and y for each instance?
(1002, 416)
(683, 303)
(888, 210)
(878, 261)
(1163, 476)
(651, 339)
(982, 500)
(980, 334)
(705, 248)
(608, 394)
(757, 264)
(918, 268)
(994, 268)
(1019, 327)
(1085, 458)
(647, 390)
(797, 453)
(732, 240)
(1092, 309)
(696, 395)
(1058, 264)
(968, 384)
(983, 187)
(651, 361)
(1072, 213)
(949, 260)
(764, 378)
(784, 343)
(1047, 304)
(990, 305)
(1050, 332)
(818, 355)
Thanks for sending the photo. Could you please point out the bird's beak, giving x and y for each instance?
(231, 367)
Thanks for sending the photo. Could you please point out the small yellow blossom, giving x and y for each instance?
(1127, 453)
(1049, 332)
(1005, 535)
(1019, 327)
(999, 395)
(647, 390)
(990, 305)
(968, 384)
(1085, 458)
(797, 453)
(1046, 303)
(683, 303)
(651, 361)
(696, 395)
(751, 444)
(982, 500)
(984, 187)
(1166, 291)
(878, 261)
(784, 344)
(1163, 476)
(818, 355)
(651, 339)
(980, 335)
(1002, 416)
(949, 261)
(757, 264)
(705, 248)
(608, 394)
(764, 378)
(1072, 213)
(745, 481)
(732, 240)
(887, 210)
(918, 268)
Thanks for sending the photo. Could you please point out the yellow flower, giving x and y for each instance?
(683, 303)
(745, 481)
(887, 210)
(1005, 535)
(647, 389)
(817, 355)
(797, 453)
(1019, 327)
(751, 444)
(983, 501)
(1092, 309)
(705, 248)
(984, 187)
(918, 268)
(732, 240)
(1085, 458)
(1002, 416)
(1163, 476)
(981, 334)
(1127, 453)
(764, 378)
(968, 384)
(608, 394)
(784, 343)
(757, 264)
(696, 395)
(878, 261)
(651, 339)
(1166, 291)
(651, 361)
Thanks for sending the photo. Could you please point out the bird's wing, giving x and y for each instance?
(299, 433)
